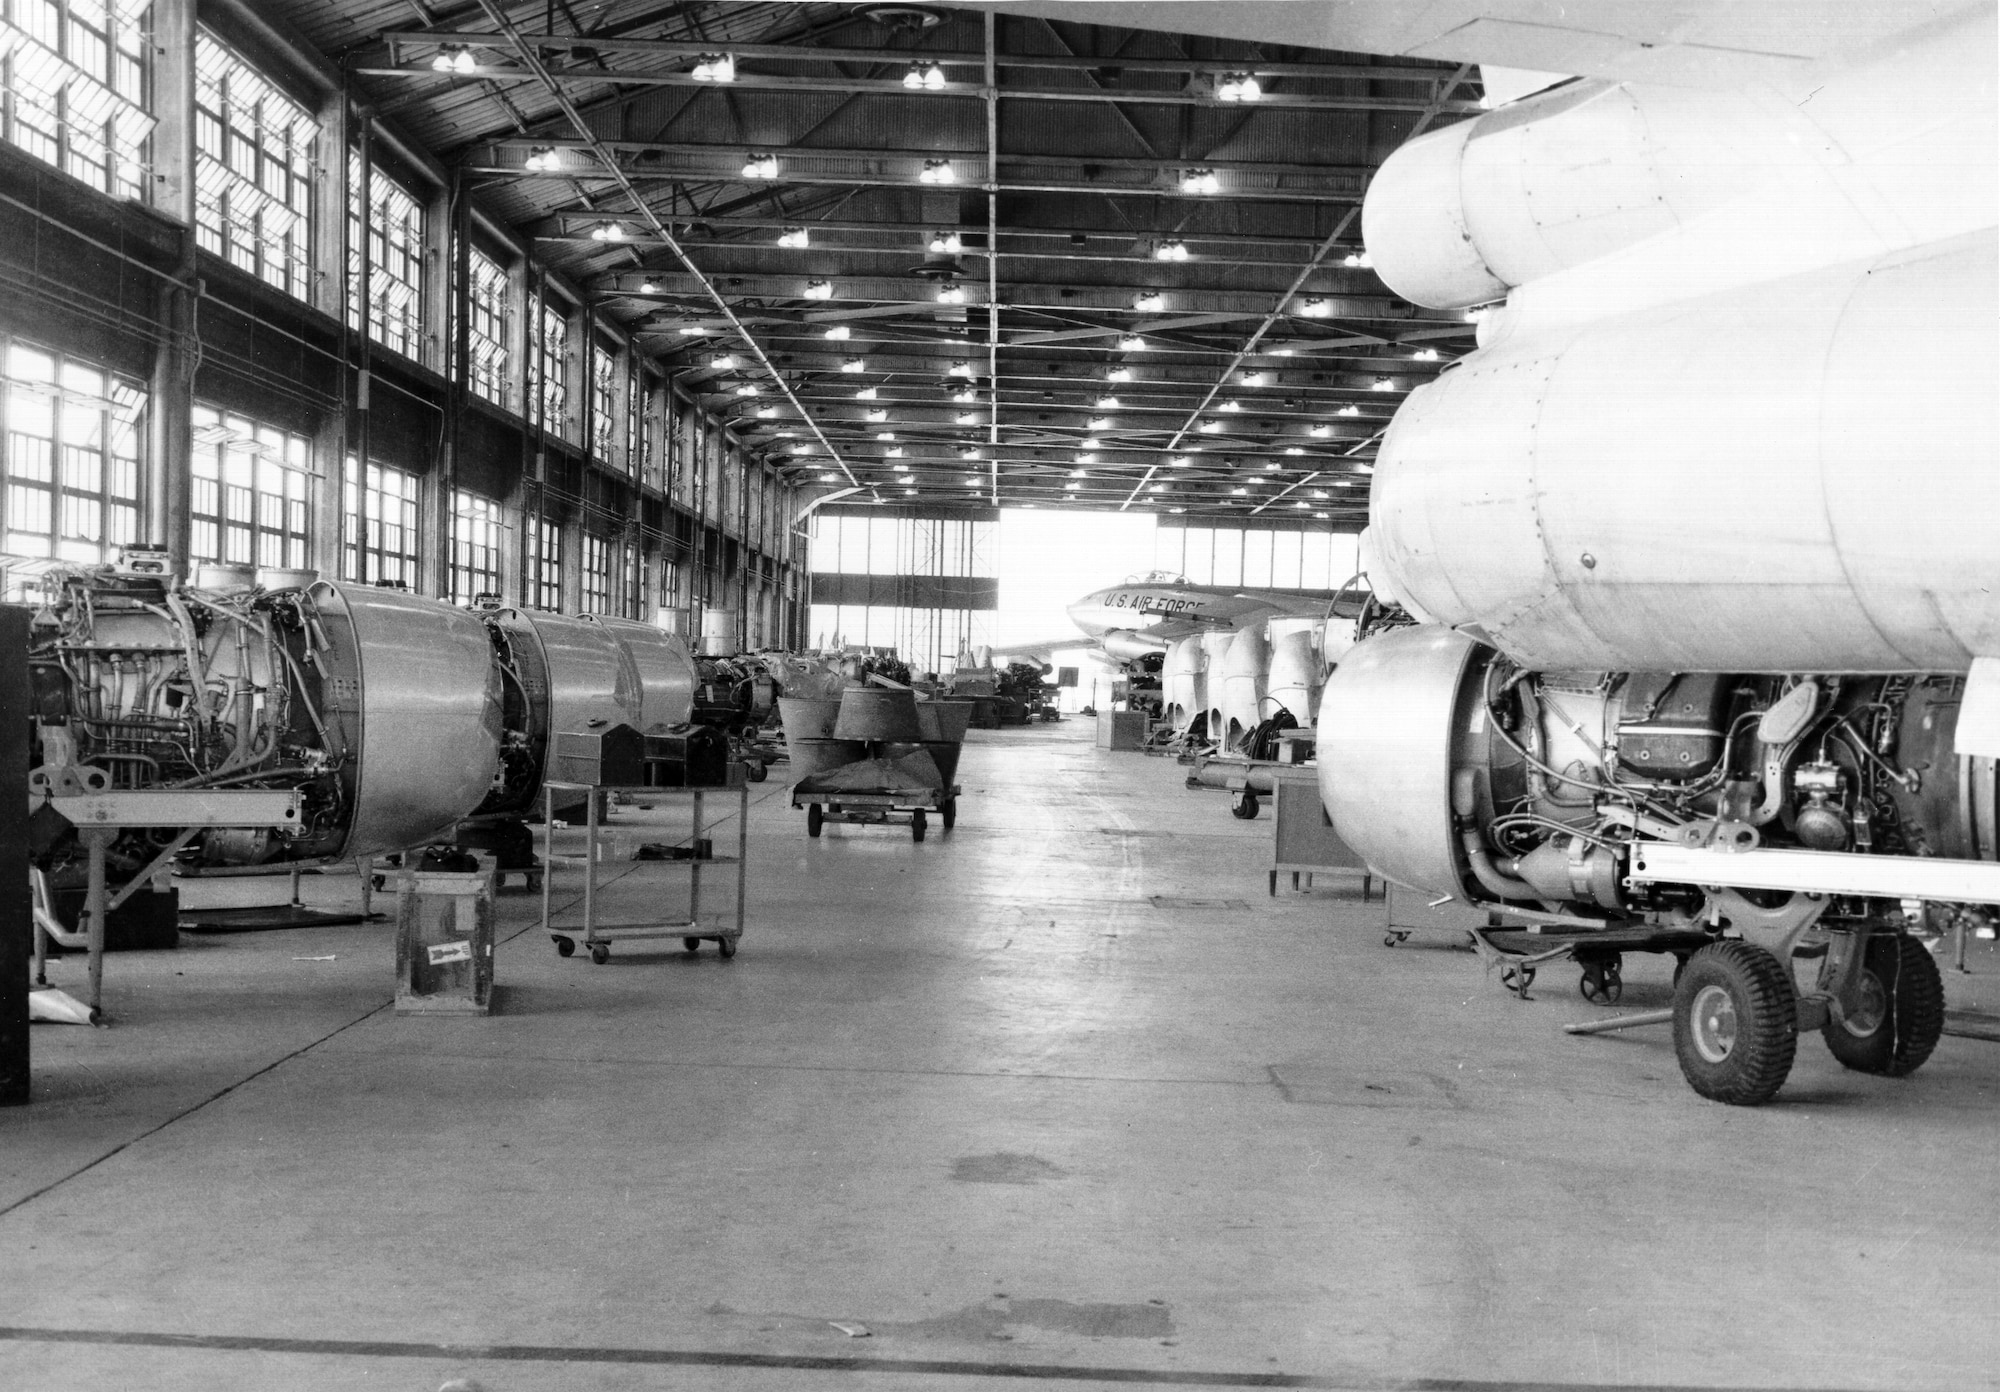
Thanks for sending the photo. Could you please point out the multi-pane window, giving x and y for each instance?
(70, 457)
(253, 169)
(475, 546)
(603, 400)
(395, 230)
(486, 367)
(541, 583)
(635, 422)
(381, 546)
(670, 584)
(252, 492)
(632, 584)
(73, 75)
(548, 382)
(596, 575)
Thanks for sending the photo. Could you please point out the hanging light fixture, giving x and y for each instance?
(1381, 384)
(1201, 181)
(647, 287)
(1357, 260)
(924, 77)
(1131, 343)
(961, 368)
(819, 289)
(865, 394)
(760, 167)
(1120, 373)
(966, 417)
(715, 67)
(1148, 300)
(879, 414)
(937, 171)
(951, 293)
(540, 160)
(1175, 250)
(1424, 355)
(1349, 410)
(839, 332)
(1107, 402)
(747, 389)
(1315, 307)
(853, 364)
(1238, 87)
(794, 239)
(946, 244)
(722, 362)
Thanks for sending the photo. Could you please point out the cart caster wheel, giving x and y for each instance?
(565, 947)
(691, 944)
(917, 825)
(534, 883)
(726, 946)
(600, 954)
(815, 818)
(1244, 807)
(1601, 983)
(379, 881)
(948, 813)
(1517, 980)
(1392, 938)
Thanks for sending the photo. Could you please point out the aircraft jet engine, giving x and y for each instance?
(1707, 626)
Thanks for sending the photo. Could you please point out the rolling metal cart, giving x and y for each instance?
(693, 930)
(911, 806)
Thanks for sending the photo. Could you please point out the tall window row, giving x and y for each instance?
(486, 360)
(69, 453)
(252, 492)
(394, 228)
(381, 535)
(476, 539)
(73, 74)
(254, 169)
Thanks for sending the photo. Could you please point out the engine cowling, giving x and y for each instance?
(1452, 770)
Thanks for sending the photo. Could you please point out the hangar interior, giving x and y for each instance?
(748, 326)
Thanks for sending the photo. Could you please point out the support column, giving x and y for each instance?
(17, 920)
(330, 296)
(170, 406)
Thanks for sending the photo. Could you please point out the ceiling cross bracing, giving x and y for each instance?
(1135, 290)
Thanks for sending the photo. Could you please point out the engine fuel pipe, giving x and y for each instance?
(1497, 883)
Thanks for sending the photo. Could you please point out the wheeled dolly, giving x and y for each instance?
(901, 808)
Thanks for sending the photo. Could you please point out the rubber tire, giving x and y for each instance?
(691, 944)
(600, 954)
(1760, 988)
(756, 773)
(727, 947)
(1902, 1042)
(918, 823)
(1244, 807)
(815, 818)
(565, 947)
(948, 813)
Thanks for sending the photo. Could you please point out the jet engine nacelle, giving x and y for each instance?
(1451, 770)
(383, 709)
(1129, 645)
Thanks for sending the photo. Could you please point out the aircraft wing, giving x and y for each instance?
(1690, 43)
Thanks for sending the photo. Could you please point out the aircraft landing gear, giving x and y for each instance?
(1897, 1013)
(1735, 1023)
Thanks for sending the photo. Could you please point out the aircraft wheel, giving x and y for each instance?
(948, 813)
(1244, 806)
(1901, 1014)
(1735, 1023)
(815, 818)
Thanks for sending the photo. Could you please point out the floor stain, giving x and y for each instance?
(998, 1317)
(1004, 1167)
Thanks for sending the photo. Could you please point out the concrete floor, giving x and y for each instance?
(1061, 1095)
